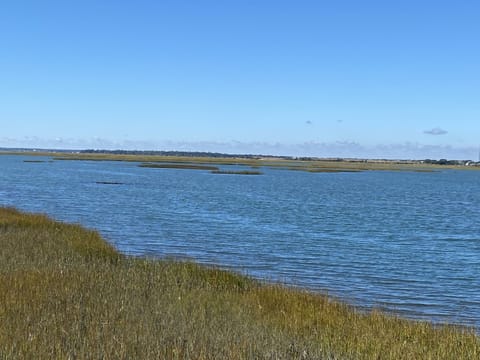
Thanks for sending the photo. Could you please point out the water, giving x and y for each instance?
(405, 242)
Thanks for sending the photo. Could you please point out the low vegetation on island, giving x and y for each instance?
(179, 166)
(65, 293)
(197, 160)
(237, 172)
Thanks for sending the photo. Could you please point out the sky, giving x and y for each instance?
(378, 79)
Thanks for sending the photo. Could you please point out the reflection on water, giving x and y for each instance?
(402, 241)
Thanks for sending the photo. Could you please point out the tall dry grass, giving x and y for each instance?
(66, 294)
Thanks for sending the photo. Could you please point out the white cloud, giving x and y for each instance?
(436, 131)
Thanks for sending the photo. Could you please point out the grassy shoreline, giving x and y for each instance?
(66, 293)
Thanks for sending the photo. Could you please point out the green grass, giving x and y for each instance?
(66, 294)
(179, 166)
(235, 172)
(319, 169)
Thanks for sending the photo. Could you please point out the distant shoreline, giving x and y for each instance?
(308, 164)
(205, 154)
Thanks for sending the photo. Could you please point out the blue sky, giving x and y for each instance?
(394, 79)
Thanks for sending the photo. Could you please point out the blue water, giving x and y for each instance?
(405, 242)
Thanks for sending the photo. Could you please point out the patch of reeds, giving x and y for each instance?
(238, 172)
(290, 164)
(67, 294)
(326, 170)
(179, 166)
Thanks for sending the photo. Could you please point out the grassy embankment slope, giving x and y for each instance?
(66, 293)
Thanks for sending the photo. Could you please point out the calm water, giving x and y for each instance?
(402, 241)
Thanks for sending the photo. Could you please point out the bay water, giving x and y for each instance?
(405, 242)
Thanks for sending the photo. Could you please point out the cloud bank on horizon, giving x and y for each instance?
(347, 149)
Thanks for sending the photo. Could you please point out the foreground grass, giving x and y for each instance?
(65, 293)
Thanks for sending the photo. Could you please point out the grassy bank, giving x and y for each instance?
(65, 293)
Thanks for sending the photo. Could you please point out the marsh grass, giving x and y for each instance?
(316, 169)
(288, 164)
(239, 172)
(179, 166)
(67, 294)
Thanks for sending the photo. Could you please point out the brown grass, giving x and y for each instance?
(66, 294)
(237, 172)
(321, 165)
(179, 166)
